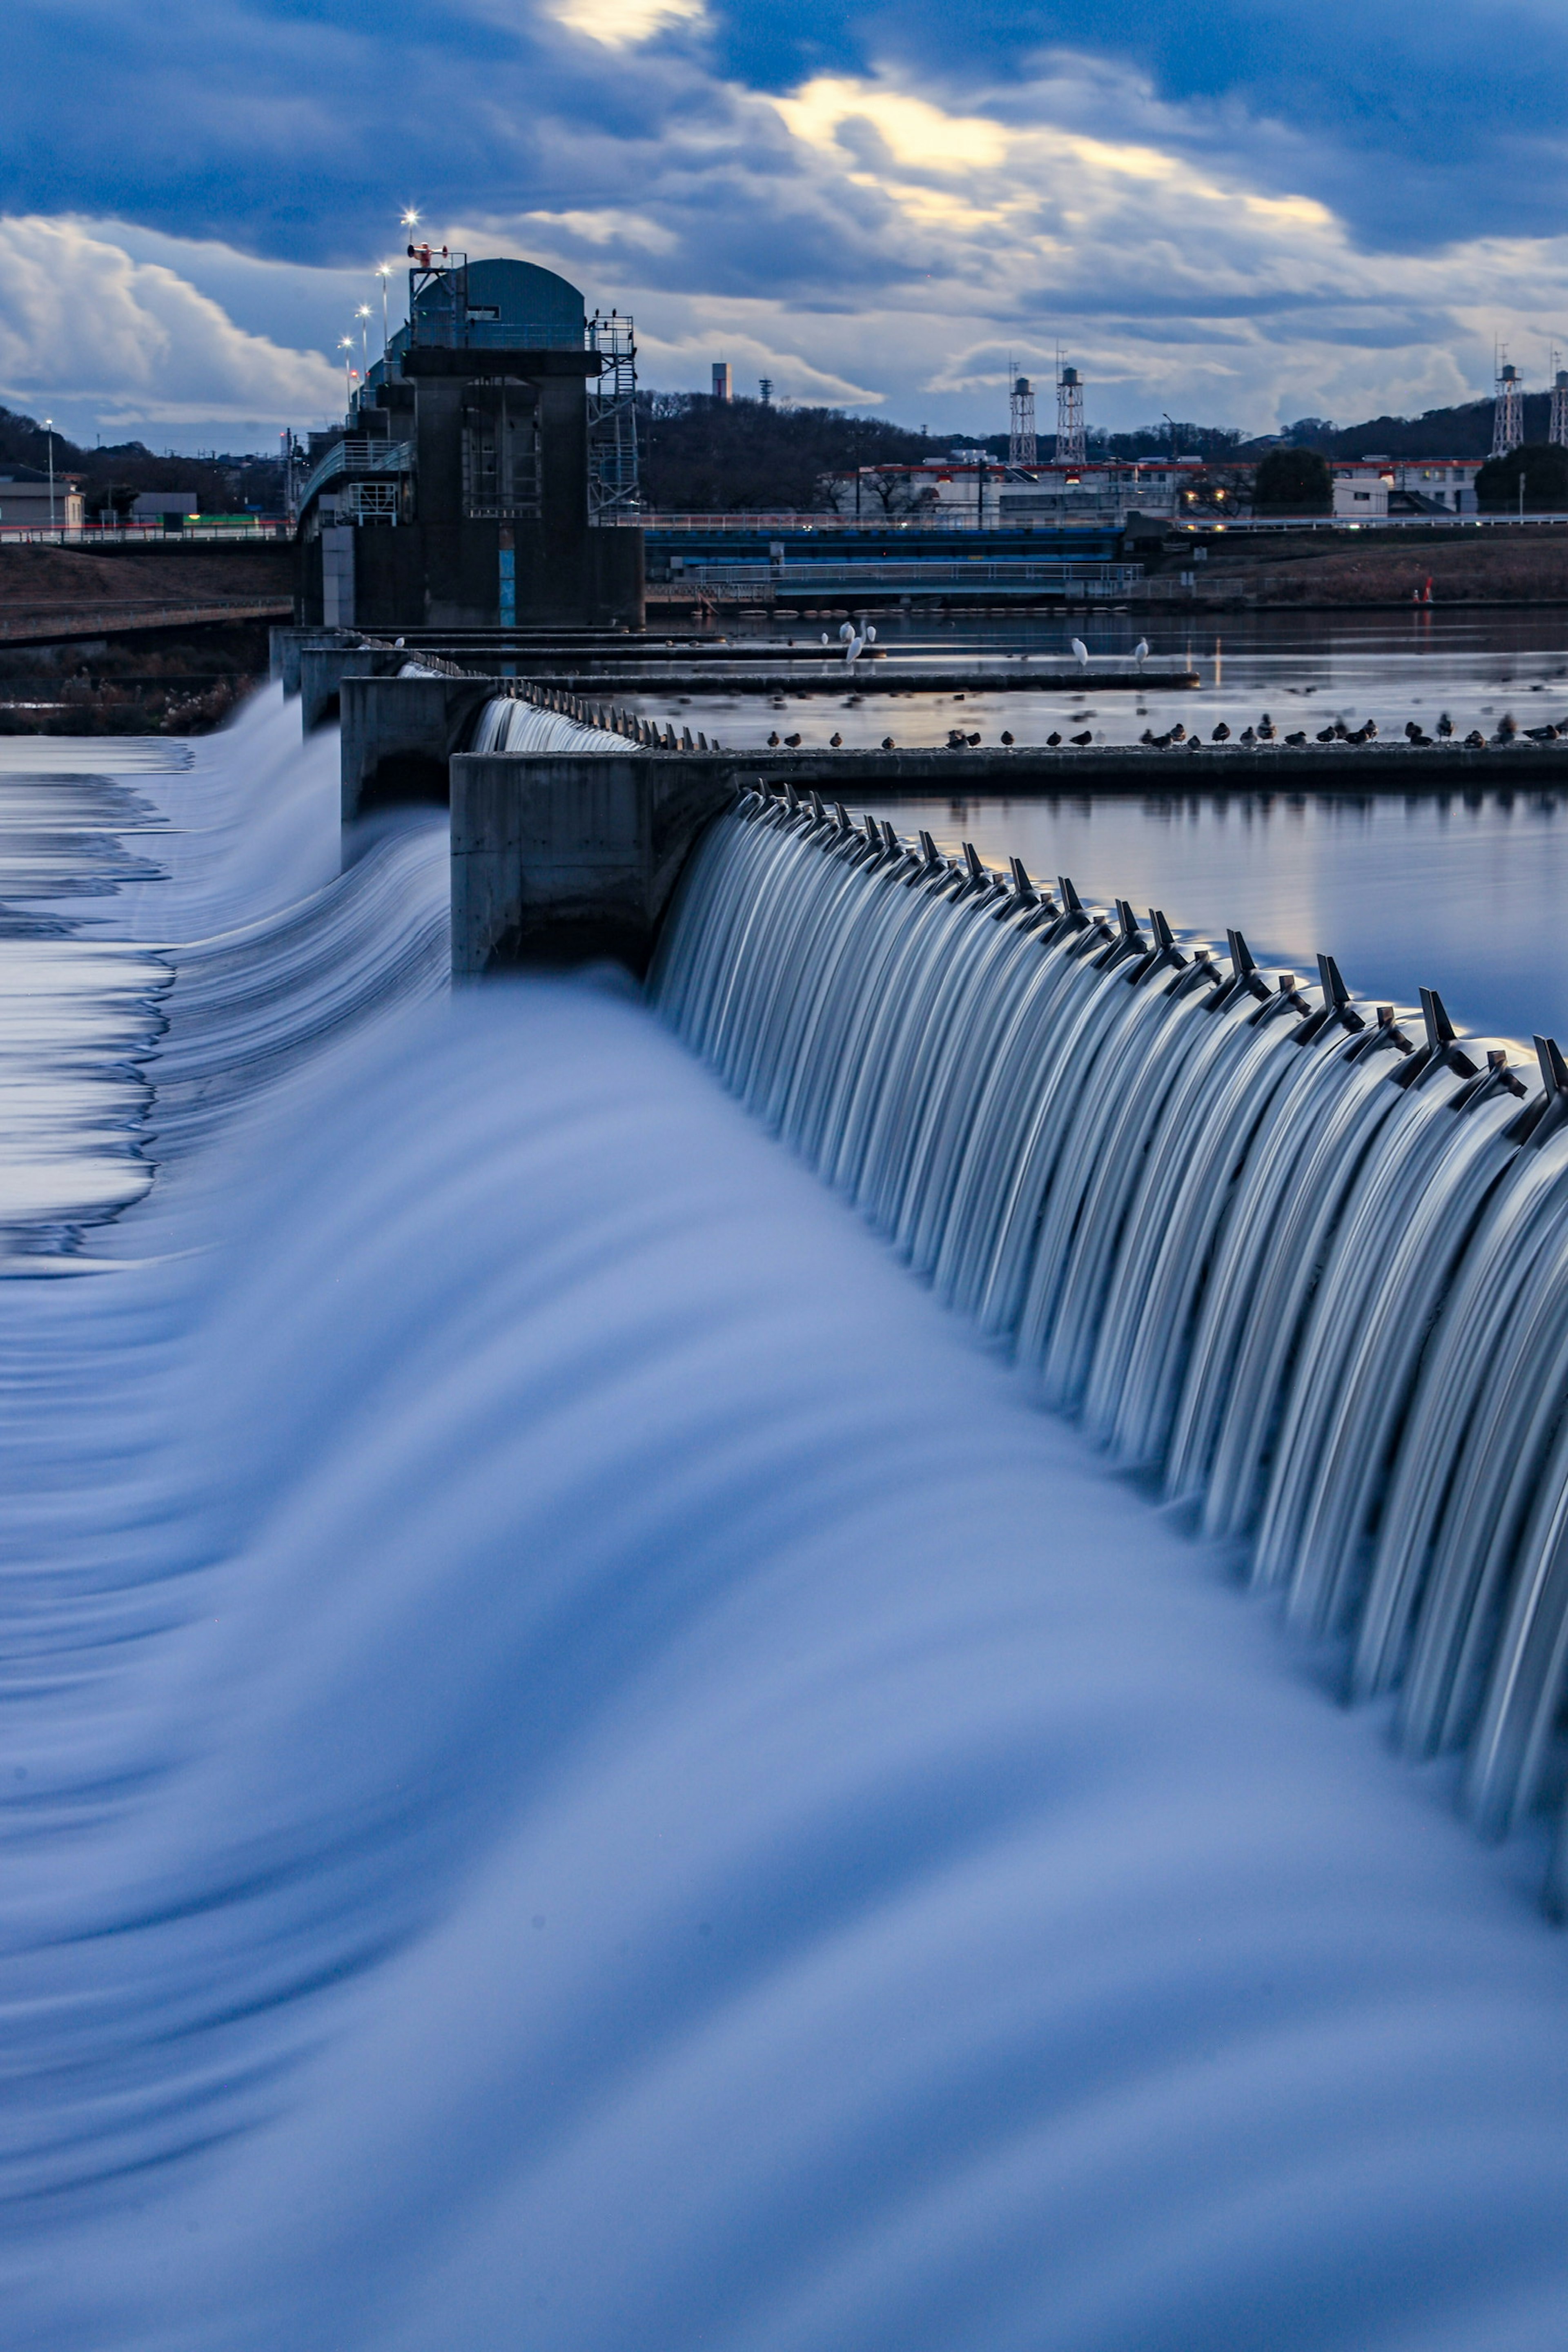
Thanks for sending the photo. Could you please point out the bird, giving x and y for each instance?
(971, 740)
(1541, 734)
(854, 649)
(825, 638)
(1445, 725)
(1325, 735)
(1005, 737)
(792, 742)
(1248, 735)
(1086, 737)
(886, 742)
(773, 741)
(869, 634)
(836, 742)
(1141, 651)
(846, 631)
(1178, 733)
(1221, 733)
(1147, 736)
(1412, 729)
(1267, 731)
(1081, 650)
(1052, 740)
(1507, 726)
(1474, 740)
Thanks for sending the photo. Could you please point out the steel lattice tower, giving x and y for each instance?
(1070, 449)
(1558, 431)
(1022, 446)
(1508, 415)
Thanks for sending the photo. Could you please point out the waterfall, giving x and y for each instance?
(509, 723)
(1302, 1263)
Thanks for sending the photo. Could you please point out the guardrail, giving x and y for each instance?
(135, 534)
(357, 455)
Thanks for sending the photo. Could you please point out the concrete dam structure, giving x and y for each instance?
(1301, 1269)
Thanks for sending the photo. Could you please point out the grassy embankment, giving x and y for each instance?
(134, 639)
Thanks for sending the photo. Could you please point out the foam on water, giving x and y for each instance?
(584, 1769)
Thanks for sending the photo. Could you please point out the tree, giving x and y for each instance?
(1293, 481)
(1546, 470)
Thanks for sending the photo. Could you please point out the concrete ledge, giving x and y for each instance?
(567, 860)
(398, 735)
(1026, 771)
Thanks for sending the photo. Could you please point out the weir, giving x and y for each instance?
(1300, 1263)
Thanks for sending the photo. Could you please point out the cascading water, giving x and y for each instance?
(508, 723)
(579, 1768)
(1302, 1269)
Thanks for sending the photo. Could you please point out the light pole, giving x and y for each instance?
(383, 273)
(49, 429)
(346, 345)
(363, 314)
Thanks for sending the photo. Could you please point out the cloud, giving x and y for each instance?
(623, 24)
(86, 331)
(874, 207)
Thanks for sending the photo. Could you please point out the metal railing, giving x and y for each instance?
(356, 455)
(140, 535)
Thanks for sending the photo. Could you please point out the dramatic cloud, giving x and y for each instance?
(87, 333)
(1221, 212)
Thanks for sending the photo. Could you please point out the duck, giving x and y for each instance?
(1248, 735)
(1052, 739)
(886, 742)
(1221, 733)
(792, 742)
(836, 742)
(1300, 738)
(1086, 737)
(1007, 738)
(773, 741)
(1445, 725)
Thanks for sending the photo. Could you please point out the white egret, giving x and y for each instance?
(1081, 650)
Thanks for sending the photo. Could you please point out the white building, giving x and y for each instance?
(1369, 490)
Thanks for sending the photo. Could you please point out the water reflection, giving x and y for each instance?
(1463, 892)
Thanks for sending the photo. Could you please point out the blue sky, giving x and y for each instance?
(1238, 213)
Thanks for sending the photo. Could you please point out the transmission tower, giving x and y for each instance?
(1508, 415)
(1022, 446)
(1070, 450)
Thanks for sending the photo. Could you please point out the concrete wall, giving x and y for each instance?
(323, 669)
(399, 733)
(562, 861)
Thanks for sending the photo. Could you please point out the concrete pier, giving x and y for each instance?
(831, 676)
(570, 860)
(566, 858)
(398, 735)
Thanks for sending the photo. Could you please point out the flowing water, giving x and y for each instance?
(1302, 1263)
(582, 1768)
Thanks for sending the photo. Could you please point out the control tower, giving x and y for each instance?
(486, 474)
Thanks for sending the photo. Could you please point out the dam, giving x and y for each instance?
(582, 1754)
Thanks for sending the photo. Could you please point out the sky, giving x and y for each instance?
(1238, 212)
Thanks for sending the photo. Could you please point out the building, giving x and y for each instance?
(487, 470)
(27, 502)
(969, 491)
(1373, 489)
(169, 507)
(723, 380)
